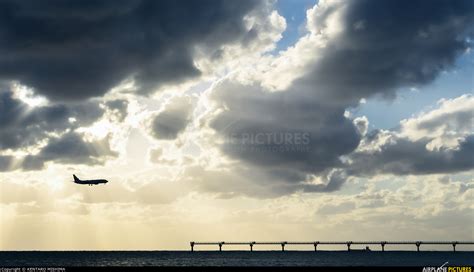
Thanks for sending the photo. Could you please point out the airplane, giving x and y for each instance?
(89, 182)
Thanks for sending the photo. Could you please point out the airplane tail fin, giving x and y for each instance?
(75, 178)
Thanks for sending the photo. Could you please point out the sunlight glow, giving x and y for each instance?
(27, 95)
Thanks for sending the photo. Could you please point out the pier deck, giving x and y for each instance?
(347, 243)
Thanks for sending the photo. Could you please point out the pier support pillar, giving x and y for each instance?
(349, 246)
(283, 246)
(454, 247)
(192, 246)
(316, 246)
(418, 246)
(220, 246)
(383, 245)
(251, 247)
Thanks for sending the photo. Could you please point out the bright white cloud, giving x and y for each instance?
(450, 121)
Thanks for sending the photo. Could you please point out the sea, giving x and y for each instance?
(233, 258)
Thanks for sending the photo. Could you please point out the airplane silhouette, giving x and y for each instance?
(89, 182)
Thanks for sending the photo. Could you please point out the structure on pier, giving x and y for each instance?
(347, 243)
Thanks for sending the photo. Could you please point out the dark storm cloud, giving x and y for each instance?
(21, 125)
(401, 156)
(70, 148)
(388, 44)
(288, 134)
(79, 49)
(173, 119)
(383, 45)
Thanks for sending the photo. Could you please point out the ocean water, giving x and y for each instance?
(233, 258)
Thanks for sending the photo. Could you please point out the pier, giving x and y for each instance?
(348, 244)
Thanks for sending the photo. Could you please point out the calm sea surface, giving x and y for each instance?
(234, 258)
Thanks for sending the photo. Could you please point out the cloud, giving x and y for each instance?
(233, 181)
(334, 182)
(358, 49)
(5, 163)
(118, 107)
(286, 133)
(400, 156)
(438, 141)
(173, 119)
(399, 45)
(34, 135)
(353, 50)
(23, 126)
(156, 156)
(282, 138)
(70, 148)
(451, 120)
(18, 193)
(77, 50)
(331, 209)
(362, 124)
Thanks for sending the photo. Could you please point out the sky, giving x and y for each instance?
(245, 120)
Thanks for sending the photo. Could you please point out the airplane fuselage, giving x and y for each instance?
(90, 182)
